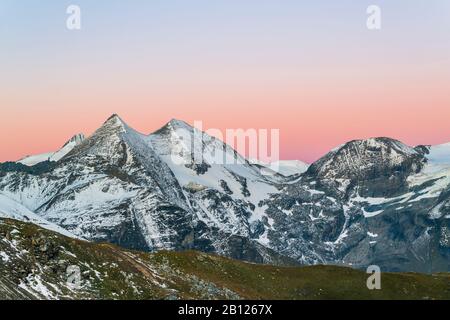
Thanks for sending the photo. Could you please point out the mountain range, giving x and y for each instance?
(367, 202)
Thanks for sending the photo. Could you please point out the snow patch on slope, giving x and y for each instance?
(178, 144)
(289, 167)
(53, 156)
(34, 160)
(10, 209)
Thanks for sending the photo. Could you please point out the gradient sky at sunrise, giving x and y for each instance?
(309, 68)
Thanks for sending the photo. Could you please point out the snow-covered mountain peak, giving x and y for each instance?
(383, 160)
(357, 154)
(112, 141)
(113, 118)
(176, 124)
(76, 140)
(113, 124)
(379, 145)
(54, 156)
(376, 144)
(185, 144)
(177, 137)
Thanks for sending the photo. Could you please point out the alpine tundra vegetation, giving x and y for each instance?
(34, 264)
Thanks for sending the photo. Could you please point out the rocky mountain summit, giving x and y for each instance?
(379, 166)
(375, 201)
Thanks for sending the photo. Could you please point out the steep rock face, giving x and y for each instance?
(386, 206)
(377, 167)
(220, 183)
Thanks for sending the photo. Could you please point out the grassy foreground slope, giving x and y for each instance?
(33, 265)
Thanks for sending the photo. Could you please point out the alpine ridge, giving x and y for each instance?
(54, 156)
(375, 201)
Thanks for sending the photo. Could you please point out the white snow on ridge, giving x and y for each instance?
(289, 167)
(437, 168)
(284, 167)
(33, 160)
(178, 144)
(10, 209)
(440, 154)
(72, 143)
(53, 156)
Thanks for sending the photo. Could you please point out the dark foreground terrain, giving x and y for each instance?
(34, 262)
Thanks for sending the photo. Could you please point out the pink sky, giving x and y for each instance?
(313, 71)
(313, 116)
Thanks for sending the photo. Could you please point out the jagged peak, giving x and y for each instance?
(377, 147)
(113, 116)
(179, 124)
(77, 139)
(173, 125)
(114, 119)
(175, 121)
(362, 158)
(377, 142)
(115, 124)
